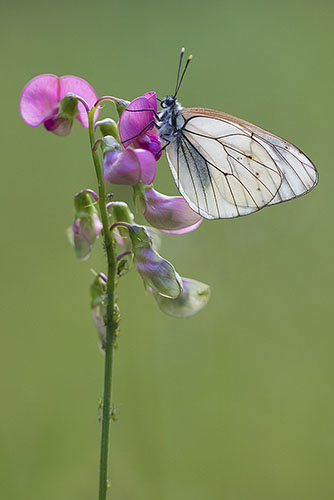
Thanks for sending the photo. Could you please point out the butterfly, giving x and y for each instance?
(226, 167)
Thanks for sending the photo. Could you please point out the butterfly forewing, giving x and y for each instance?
(226, 167)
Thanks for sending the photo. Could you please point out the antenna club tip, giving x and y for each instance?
(190, 57)
(183, 49)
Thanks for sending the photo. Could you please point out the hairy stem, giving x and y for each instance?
(111, 323)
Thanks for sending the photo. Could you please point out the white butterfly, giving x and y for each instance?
(225, 167)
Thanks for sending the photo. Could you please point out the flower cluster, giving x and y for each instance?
(130, 150)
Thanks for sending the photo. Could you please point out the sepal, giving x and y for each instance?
(157, 272)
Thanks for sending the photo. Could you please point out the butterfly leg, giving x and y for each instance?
(152, 122)
(162, 149)
(139, 110)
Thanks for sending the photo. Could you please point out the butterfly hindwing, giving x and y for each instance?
(226, 167)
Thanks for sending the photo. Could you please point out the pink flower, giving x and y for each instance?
(86, 226)
(42, 101)
(129, 166)
(136, 127)
(85, 232)
(169, 214)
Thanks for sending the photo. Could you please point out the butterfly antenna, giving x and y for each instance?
(179, 69)
(185, 69)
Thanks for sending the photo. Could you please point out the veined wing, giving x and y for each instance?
(226, 167)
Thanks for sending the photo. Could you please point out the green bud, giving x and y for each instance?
(109, 143)
(121, 104)
(84, 205)
(108, 126)
(120, 212)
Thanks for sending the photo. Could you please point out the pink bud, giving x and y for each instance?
(86, 225)
(170, 214)
(85, 232)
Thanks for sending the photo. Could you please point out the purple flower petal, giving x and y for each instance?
(152, 100)
(59, 126)
(121, 167)
(132, 124)
(170, 214)
(81, 88)
(129, 167)
(147, 164)
(150, 142)
(39, 99)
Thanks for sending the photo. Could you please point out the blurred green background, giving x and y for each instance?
(235, 403)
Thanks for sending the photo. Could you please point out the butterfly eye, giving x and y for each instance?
(167, 101)
(170, 101)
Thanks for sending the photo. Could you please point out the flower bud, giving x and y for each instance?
(157, 272)
(110, 144)
(108, 126)
(86, 225)
(169, 214)
(121, 104)
(98, 292)
(193, 298)
(120, 212)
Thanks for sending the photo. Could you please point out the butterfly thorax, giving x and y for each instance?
(171, 120)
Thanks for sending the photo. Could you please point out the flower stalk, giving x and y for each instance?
(111, 323)
(126, 154)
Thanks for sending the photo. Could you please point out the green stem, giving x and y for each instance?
(111, 324)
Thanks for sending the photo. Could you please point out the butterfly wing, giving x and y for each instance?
(226, 167)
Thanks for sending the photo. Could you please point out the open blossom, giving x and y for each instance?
(169, 214)
(50, 100)
(136, 127)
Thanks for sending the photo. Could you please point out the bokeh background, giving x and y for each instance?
(235, 403)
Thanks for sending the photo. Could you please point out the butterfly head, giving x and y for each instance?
(168, 102)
